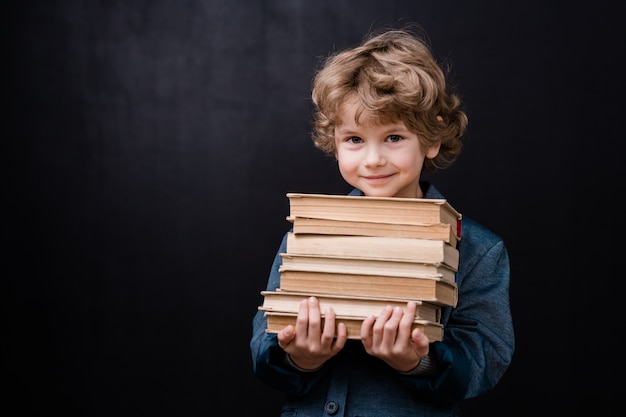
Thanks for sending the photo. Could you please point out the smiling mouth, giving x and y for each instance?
(377, 178)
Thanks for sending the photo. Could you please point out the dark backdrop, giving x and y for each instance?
(152, 144)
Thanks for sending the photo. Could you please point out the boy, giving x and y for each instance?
(383, 110)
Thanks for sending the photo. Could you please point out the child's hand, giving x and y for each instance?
(308, 345)
(389, 337)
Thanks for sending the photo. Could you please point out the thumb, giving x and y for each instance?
(420, 341)
(285, 336)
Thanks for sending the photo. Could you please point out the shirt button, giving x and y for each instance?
(331, 408)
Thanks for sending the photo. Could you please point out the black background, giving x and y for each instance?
(151, 144)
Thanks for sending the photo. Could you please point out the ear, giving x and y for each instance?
(433, 151)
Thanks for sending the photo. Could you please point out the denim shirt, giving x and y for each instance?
(474, 354)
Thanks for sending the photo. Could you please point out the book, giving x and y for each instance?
(348, 306)
(432, 290)
(439, 231)
(277, 321)
(396, 210)
(365, 266)
(359, 254)
(376, 247)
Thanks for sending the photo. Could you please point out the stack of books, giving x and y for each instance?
(359, 254)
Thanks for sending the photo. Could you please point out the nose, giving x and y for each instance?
(374, 156)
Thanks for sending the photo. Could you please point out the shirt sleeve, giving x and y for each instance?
(268, 359)
(478, 339)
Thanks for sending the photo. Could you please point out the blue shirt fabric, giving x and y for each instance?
(476, 350)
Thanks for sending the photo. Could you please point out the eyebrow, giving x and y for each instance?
(345, 131)
(391, 129)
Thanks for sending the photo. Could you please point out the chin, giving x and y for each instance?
(378, 193)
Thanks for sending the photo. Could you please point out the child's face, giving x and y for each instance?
(382, 160)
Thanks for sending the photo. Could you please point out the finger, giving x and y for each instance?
(302, 321)
(406, 323)
(379, 325)
(315, 318)
(367, 328)
(391, 327)
(342, 337)
(421, 342)
(328, 333)
(285, 336)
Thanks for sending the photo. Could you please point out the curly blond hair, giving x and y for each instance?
(395, 77)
